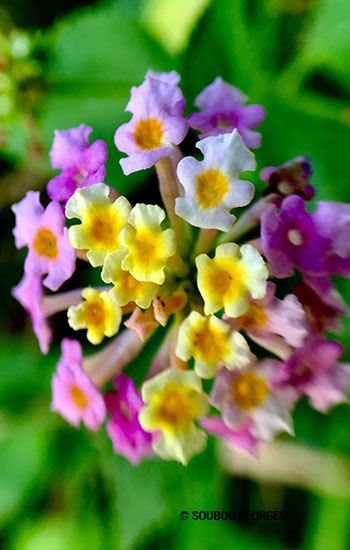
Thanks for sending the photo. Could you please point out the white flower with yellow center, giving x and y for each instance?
(226, 280)
(173, 400)
(99, 314)
(148, 245)
(210, 341)
(212, 186)
(126, 287)
(101, 221)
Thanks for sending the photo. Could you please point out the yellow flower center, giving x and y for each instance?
(249, 390)
(104, 228)
(146, 248)
(211, 345)
(149, 134)
(45, 243)
(95, 313)
(173, 410)
(226, 278)
(212, 186)
(78, 397)
(255, 317)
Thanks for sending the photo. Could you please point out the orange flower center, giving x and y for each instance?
(45, 243)
(95, 313)
(249, 390)
(78, 397)
(255, 317)
(149, 134)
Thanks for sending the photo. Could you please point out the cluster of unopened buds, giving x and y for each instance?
(188, 267)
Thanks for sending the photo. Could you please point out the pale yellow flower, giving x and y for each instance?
(226, 280)
(173, 400)
(101, 221)
(149, 246)
(100, 315)
(210, 342)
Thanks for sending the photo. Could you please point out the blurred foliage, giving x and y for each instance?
(61, 488)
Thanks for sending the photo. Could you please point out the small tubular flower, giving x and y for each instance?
(142, 323)
(241, 438)
(210, 342)
(226, 280)
(157, 123)
(124, 429)
(45, 234)
(29, 293)
(126, 288)
(148, 246)
(74, 396)
(99, 314)
(212, 186)
(222, 110)
(248, 394)
(101, 221)
(81, 164)
(291, 178)
(173, 400)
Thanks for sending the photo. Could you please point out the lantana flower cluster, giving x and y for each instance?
(198, 265)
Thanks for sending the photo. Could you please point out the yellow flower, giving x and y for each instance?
(101, 221)
(149, 247)
(226, 280)
(126, 287)
(209, 341)
(100, 315)
(173, 399)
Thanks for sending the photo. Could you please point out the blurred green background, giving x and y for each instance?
(73, 62)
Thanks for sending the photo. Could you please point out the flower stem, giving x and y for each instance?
(105, 365)
(169, 190)
(204, 242)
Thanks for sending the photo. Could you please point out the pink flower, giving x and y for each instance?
(241, 437)
(313, 370)
(45, 234)
(81, 164)
(29, 293)
(124, 429)
(157, 124)
(247, 394)
(74, 395)
(269, 316)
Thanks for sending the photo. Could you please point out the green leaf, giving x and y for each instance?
(97, 55)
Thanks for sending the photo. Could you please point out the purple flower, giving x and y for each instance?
(124, 429)
(290, 238)
(291, 178)
(222, 110)
(333, 222)
(322, 314)
(241, 437)
(74, 395)
(313, 370)
(157, 123)
(46, 236)
(81, 164)
(247, 394)
(29, 293)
